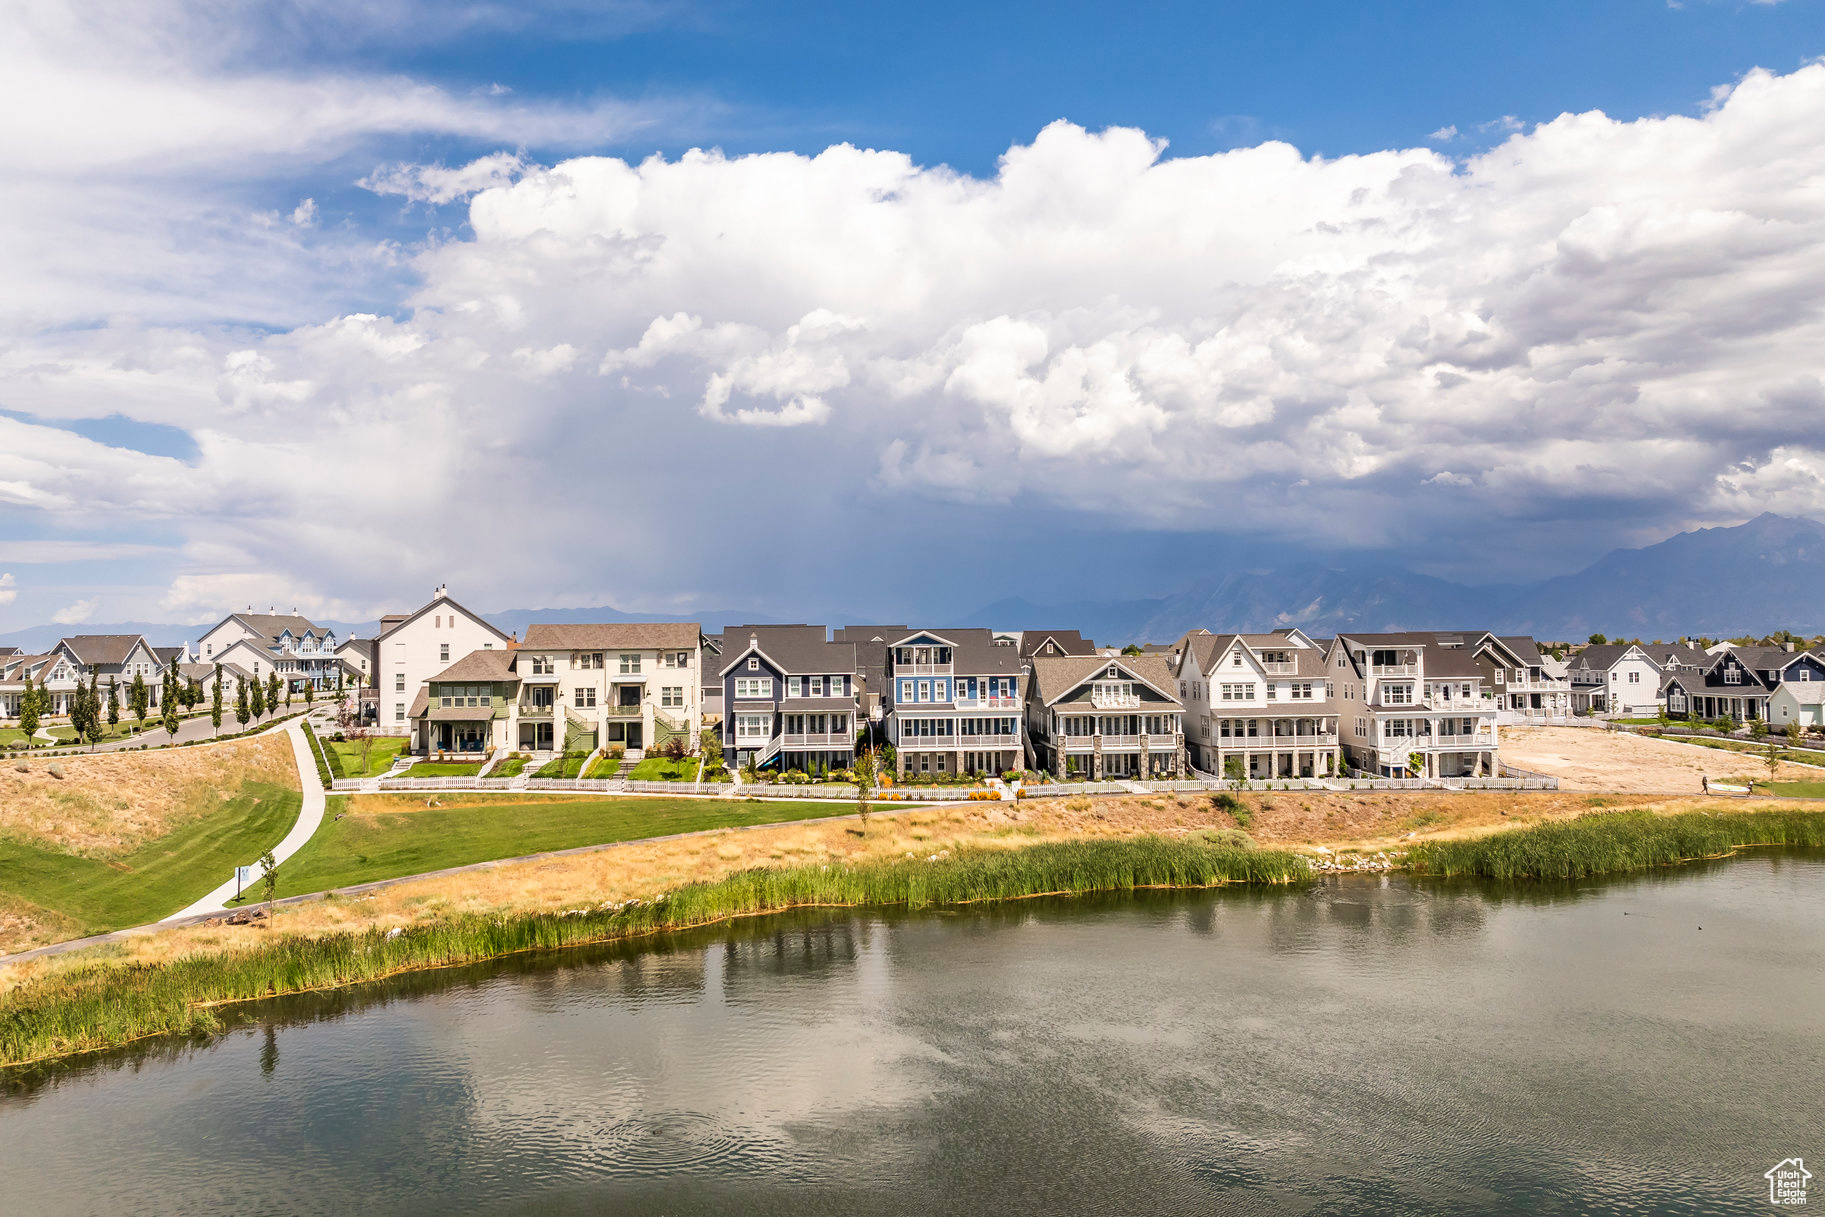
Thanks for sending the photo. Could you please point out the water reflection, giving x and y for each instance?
(1369, 1044)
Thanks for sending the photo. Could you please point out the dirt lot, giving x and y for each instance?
(1584, 758)
(112, 802)
(1361, 821)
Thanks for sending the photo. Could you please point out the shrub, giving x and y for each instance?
(55, 770)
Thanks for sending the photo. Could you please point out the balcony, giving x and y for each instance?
(535, 709)
(1114, 699)
(1281, 669)
(966, 743)
(1394, 669)
(987, 703)
(923, 669)
(790, 743)
(620, 711)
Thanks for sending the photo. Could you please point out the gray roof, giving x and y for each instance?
(1677, 652)
(974, 652)
(795, 649)
(1055, 676)
(1446, 652)
(634, 635)
(1602, 656)
(1203, 648)
(166, 655)
(101, 648)
(271, 625)
(1069, 642)
(1524, 647)
(481, 666)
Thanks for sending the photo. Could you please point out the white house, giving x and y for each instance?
(1615, 678)
(414, 647)
(300, 651)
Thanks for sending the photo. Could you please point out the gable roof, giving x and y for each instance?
(1602, 656)
(793, 649)
(1056, 675)
(271, 625)
(482, 665)
(637, 635)
(102, 648)
(1069, 642)
(440, 603)
(1203, 649)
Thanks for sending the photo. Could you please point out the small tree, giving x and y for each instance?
(113, 702)
(240, 701)
(1233, 771)
(339, 682)
(171, 716)
(1758, 729)
(1416, 764)
(1598, 640)
(196, 694)
(141, 698)
(1726, 724)
(272, 691)
(1794, 734)
(269, 877)
(348, 720)
(310, 694)
(256, 697)
(864, 782)
(28, 710)
(215, 701)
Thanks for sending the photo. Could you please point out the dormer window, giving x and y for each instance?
(753, 665)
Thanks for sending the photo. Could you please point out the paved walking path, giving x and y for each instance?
(310, 815)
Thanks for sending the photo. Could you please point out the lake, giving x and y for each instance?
(1371, 1045)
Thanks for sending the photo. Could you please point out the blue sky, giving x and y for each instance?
(293, 283)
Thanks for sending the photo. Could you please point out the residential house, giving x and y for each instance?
(1741, 682)
(1614, 678)
(1264, 700)
(709, 679)
(953, 701)
(467, 707)
(631, 684)
(1517, 673)
(1100, 717)
(1414, 695)
(1054, 642)
(1798, 700)
(414, 647)
(300, 651)
(871, 642)
(357, 656)
(791, 698)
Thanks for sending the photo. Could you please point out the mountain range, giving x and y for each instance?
(1754, 578)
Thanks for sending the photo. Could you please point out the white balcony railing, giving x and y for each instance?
(1280, 669)
(964, 743)
(923, 669)
(791, 742)
(1114, 699)
(987, 703)
(1394, 669)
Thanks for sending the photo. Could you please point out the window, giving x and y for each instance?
(1733, 676)
(1235, 659)
(630, 665)
(925, 690)
(1271, 690)
(675, 659)
(399, 682)
(794, 686)
(753, 665)
(399, 712)
(585, 697)
(590, 661)
(753, 726)
(837, 685)
(754, 686)
(542, 665)
(1241, 692)
(1182, 693)
(443, 652)
(671, 695)
(1397, 695)
(1301, 691)
(1634, 678)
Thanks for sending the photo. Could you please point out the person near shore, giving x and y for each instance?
(1704, 780)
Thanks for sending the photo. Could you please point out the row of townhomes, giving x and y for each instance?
(953, 701)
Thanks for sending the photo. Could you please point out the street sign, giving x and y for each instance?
(244, 875)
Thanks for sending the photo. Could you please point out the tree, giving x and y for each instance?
(240, 701)
(171, 718)
(1132, 649)
(269, 877)
(1758, 729)
(1794, 734)
(272, 692)
(1726, 724)
(1233, 771)
(339, 682)
(256, 697)
(864, 782)
(215, 701)
(310, 695)
(91, 708)
(140, 698)
(194, 697)
(288, 693)
(113, 702)
(1773, 759)
(1598, 640)
(28, 710)
(348, 720)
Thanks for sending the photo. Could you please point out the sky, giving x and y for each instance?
(848, 311)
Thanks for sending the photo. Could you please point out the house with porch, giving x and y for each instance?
(1526, 688)
(1265, 701)
(467, 707)
(1614, 678)
(791, 698)
(1741, 682)
(1096, 717)
(413, 647)
(635, 685)
(300, 651)
(953, 702)
(1414, 705)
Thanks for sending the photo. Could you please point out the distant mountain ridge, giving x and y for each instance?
(1764, 575)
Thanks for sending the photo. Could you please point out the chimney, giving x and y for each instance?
(441, 592)
(1792, 646)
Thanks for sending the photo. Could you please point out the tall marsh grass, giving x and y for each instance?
(104, 1004)
(1599, 842)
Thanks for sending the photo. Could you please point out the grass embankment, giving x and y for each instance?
(365, 838)
(443, 769)
(105, 1004)
(344, 757)
(564, 765)
(664, 769)
(1604, 842)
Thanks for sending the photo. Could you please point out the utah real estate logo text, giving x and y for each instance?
(1787, 1182)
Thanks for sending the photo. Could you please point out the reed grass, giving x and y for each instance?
(1600, 842)
(104, 1004)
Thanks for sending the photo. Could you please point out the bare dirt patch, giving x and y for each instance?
(1583, 758)
(110, 803)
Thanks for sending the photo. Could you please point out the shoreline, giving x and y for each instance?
(103, 1004)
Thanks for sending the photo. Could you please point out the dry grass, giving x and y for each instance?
(644, 870)
(111, 803)
(1583, 758)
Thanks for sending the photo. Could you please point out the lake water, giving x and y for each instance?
(1367, 1046)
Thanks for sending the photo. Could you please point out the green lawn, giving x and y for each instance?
(512, 767)
(345, 758)
(443, 769)
(360, 848)
(161, 876)
(566, 765)
(664, 769)
(605, 767)
(1799, 790)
